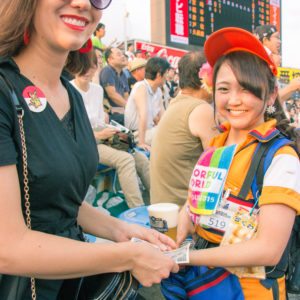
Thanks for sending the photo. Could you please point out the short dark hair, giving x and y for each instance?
(265, 31)
(188, 69)
(107, 53)
(81, 62)
(99, 26)
(156, 65)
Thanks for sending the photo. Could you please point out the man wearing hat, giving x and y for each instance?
(137, 71)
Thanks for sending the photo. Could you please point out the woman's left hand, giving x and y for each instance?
(150, 235)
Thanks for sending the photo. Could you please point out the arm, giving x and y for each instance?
(51, 257)
(202, 124)
(102, 225)
(115, 96)
(265, 249)
(160, 113)
(140, 100)
(286, 92)
(104, 134)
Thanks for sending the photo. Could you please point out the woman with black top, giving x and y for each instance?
(35, 42)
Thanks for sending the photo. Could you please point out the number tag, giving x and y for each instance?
(218, 221)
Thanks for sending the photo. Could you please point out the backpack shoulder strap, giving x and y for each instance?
(261, 160)
(265, 163)
(258, 154)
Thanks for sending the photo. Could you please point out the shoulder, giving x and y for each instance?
(201, 112)
(107, 71)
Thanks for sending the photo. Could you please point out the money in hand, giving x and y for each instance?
(180, 255)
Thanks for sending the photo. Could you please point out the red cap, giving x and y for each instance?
(231, 39)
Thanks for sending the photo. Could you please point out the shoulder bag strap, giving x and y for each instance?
(20, 115)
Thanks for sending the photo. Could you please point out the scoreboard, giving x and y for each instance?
(189, 22)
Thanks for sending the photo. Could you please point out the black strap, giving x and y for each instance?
(12, 94)
(261, 151)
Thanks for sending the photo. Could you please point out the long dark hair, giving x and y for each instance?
(254, 75)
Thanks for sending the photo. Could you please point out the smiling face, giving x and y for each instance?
(63, 25)
(241, 108)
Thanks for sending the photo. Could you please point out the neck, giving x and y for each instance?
(154, 86)
(42, 66)
(196, 93)
(84, 86)
(236, 137)
(118, 69)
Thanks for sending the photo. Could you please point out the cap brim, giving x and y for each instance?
(231, 39)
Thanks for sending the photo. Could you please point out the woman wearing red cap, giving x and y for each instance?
(252, 228)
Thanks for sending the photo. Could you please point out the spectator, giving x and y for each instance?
(139, 54)
(127, 165)
(99, 33)
(137, 70)
(145, 108)
(171, 84)
(37, 38)
(244, 85)
(114, 83)
(130, 52)
(186, 128)
(270, 38)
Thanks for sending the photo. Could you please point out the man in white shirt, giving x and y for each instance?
(144, 107)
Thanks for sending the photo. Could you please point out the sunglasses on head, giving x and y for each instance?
(100, 4)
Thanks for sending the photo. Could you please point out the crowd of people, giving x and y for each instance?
(203, 122)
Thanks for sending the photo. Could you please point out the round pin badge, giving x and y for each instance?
(35, 98)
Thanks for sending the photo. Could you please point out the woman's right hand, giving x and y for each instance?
(150, 265)
(185, 226)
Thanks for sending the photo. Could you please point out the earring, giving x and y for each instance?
(26, 37)
(87, 47)
(271, 109)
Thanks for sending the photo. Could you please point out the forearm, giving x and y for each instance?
(142, 130)
(50, 257)
(117, 99)
(249, 253)
(101, 225)
(285, 93)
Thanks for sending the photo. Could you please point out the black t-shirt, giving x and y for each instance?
(61, 166)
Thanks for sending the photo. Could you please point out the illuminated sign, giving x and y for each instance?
(189, 22)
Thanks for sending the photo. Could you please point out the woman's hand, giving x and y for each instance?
(185, 226)
(150, 265)
(150, 235)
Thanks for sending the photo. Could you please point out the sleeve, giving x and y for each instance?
(8, 151)
(107, 78)
(125, 83)
(281, 183)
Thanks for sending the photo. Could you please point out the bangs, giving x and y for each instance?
(251, 72)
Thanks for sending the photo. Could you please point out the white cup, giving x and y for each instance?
(164, 218)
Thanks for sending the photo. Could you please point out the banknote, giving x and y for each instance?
(179, 255)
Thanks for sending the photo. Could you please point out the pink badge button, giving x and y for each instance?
(35, 98)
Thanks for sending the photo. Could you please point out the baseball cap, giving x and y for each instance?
(232, 39)
(137, 63)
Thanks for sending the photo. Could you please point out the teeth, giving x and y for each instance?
(236, 112)
(75, 22)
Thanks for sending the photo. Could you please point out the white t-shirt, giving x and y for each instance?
(154, 104)
(93, 102)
